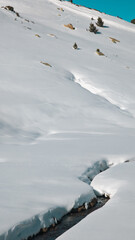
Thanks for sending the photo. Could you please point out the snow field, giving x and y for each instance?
(59, 122)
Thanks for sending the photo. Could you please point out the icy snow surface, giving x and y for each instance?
(58, 120)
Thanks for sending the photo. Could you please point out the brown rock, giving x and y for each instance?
(37, 35)
(10, 8)
(61, 9)
(99, 53)
(45, 63)
(93, 202)
(70, 26)
(114, 40)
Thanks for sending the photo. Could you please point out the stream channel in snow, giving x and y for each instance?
(76, 214)
(69, 221)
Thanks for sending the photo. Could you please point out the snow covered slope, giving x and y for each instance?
(116, 220)
(61, 110)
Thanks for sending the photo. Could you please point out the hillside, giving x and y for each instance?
(63, 111)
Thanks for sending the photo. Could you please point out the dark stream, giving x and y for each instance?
(69, 221)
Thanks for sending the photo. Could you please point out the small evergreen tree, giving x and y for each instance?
(133, 21)
(75, 46)
(92, 28)
(100, 22)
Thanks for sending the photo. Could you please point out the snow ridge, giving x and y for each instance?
(100, 92)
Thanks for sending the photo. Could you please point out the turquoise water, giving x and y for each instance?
(122, 8)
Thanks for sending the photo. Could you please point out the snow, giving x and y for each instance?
(116, 219)
(61, 125)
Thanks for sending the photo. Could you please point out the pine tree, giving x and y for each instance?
(75, 45)
(100, 23)
(133, 21)
(92, 28)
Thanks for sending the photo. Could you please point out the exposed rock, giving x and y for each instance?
(91, 204)
(61, 9)
(27, 20)
(17, 14)
(43, 230)
(10, 8)
(37, 35)
(70, 26)
(45, 63)
(99, 52)
(114, 40)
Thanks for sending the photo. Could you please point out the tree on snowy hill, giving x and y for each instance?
(92, 28)
(133, 21)
(100, 22)
(75, 46)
